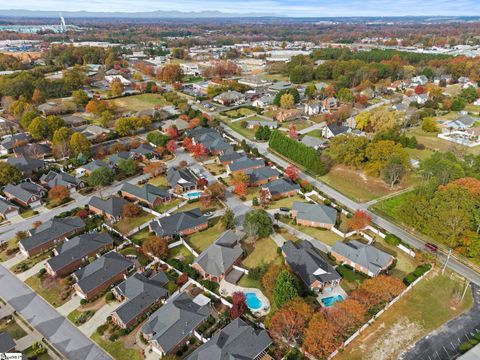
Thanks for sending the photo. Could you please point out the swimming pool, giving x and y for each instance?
(193, 195)
(253, 302)
(329, 301)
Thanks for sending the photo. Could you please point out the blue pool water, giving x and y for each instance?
(193, 195)
(253, 302)
(329, 301)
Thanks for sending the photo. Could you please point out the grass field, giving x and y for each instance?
(265, 250)
(391, 206)
(12, 328)
(117, 349)
(52, 290)
(248, 133)
(325, 236)
(159, 181)
(127, 225)
(301, 124)
(240, 112)
(350, 279)
(139, 237)
(360, 187)
(181, 251)
(139, 102)
(286, 202)
(168, 205)
(427, 306)
(315, 133)
(214, 205)
(202, 240)
(432, 142)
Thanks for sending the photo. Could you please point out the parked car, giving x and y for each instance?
(284, 209)
(431, 247)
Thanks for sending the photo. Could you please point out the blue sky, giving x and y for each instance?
(318, 8)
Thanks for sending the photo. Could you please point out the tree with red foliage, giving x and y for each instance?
(183, 117)
(172, 132)
(131, 210)
(292, 131)
(347, 315)
(359, 220)
(36, 224)
(199, 151)
(205, 201)
(182, 279)
(82, 214)
(154, 168)
(187, 144)
(202, 183)
(321, 337)
(420, 90)
(361, 100)
(238, 305)
(172, 146)
(58, 194)
(195, 122)
(291, 172)
(240, 183)
(264, 196)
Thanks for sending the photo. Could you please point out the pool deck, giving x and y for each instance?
(336, 291)
(227, 289)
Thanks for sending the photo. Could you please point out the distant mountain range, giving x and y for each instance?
(159, 14)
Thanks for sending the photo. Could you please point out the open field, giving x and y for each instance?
(159, 181)
(248, 133)
(285, 202)
(138, 102)
(360, 187)
(432, 142)
(426, 307)
(301, 124)
(240, 112)
(315, 133)
(391, 206)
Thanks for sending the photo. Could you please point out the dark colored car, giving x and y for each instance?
(284, 209)
(431, 246)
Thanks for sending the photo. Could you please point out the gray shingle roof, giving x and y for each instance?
(95, 165)
(112, 206)
(337, 129)
(367, 256)
(245, 163)
(114, 159)
(6, 205)
(6, 342)
(174, 321)
(210, 138)
(62, 178)
(182, 177)
(221, 254)
(238, 340)
(52, 229)
(262, 173)
(9, 142)
(281, 186)
(141, 294)
(230, 156)
(77, 248)
(148, 193)
(176, 223)
(26, 164)
(307, 263)
(315, 212)
(144, 149)
(101, 270)
(24, 191)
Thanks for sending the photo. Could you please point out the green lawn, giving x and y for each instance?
(427, 306)
(127, 225)
(323, 235)
(202, 240)
(28, 213)
(139, 102)
(12, 328)
(215, 205)
(9, 249)
(132, 250)
(432, 142)
(240, 112)
(391, 206)
(286, 202)
(315, 133)
(265, 250)
(215, 169)
(419, 154)
(301, 124)
(180, 251)
(248, 282)
(168, 205)
(139, 237)
(75, 315)
(159, 181)
(54, 291)
(117, 349)
(248, 133)
(350, 278)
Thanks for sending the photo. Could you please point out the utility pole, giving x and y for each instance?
(465, 290)
(446, 261)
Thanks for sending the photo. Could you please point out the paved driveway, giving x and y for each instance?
(63, 335)
(443, 343)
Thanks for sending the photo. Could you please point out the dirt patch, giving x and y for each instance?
(394, 341)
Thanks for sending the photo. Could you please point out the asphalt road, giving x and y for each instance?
(443, 343)
(407, 237)
(60, 332)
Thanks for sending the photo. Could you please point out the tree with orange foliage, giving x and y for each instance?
(321, 337)
(288, 323)
(292, 131)
(154, 168)
(36, 224)
(346, 315)
(172, 146)
(187, 144)
(205, 201)
(173, 132)
(270, 278)
(202, 183)
(240, 183)
(264, 196)
(37, 97)
(469, 183)
(217, 190)
(382, 289)
(170, 73)
(291, 172)
(131, 210)
(58, 194)
(156, 246)
(360, 220)
(193, 123)
(116, 87)
(199, 151)
(160, 150)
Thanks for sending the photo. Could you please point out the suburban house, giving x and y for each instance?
(332, 130)
(313, 142)
(75, 253)
(253, 124)
(149, 195)
(419, 80)
(314, 215)
(49, 234)
(288, 115)
(218, 260)
(230, 157)
(180, 124)
(27, 166)
(33, 151)
(314, 270)
(25, 194)
(211, 139)
(98, 276)
(181, 180)
(7, 344)
(73, 121)
(329, 104)
(52, 179)
(7, 209)
(255, 82)
(181, 223)
(244, 164)
(462, 123)
(279, 86)
(144, 152)
(313, 108)
(174, 323)
(237, 340)
(362, 257)
(93, 165)
(139, 295)
(9, 142)
(111, 208)
(229, 97)
(92, 132)
(261, 176)
(263, 102)
(281, 188)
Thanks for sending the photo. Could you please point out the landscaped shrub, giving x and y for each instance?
(392, 240)
(41, 272)
(210, 285)
(109, 296)
(83, 302)
(101, 329)
(418, 272)
(464, 347)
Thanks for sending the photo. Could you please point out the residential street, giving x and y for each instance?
(443, 343)
(59, 331)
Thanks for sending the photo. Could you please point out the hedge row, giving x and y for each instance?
(419, 271)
